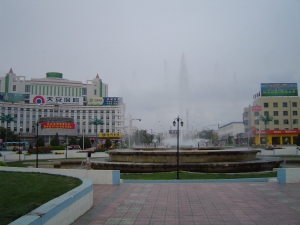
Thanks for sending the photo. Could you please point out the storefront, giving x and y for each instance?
(278, 137)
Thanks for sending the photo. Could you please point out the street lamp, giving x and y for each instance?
(177, 154)
(83, 123)
(130, 126)
(258, 131)
(37, 144)
(20, 144)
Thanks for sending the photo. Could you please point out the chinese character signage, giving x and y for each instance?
(279, 89)
(173, 132)
(11, 97)
(109, 135)
(256, 108)
(58, 125)
(107, 101)
(56, 100)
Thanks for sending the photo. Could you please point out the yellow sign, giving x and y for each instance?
(109, 135)
(95, 101)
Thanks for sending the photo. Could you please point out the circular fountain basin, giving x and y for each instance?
(195, 160)
(185, 156)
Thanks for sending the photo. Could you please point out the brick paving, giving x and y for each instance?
(194, 203)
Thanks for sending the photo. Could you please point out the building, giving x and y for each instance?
(56, 105)
(281, 102)
(231, 130)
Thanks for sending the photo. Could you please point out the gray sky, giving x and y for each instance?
(136, 47)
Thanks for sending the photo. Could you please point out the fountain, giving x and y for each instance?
(195, 155)
(192, 157)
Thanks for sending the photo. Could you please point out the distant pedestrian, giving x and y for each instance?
(88, 161)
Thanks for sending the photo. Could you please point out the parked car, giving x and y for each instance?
(74, 147)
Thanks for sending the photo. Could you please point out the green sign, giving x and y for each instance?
(279, 89)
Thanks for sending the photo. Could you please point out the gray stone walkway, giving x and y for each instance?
(195, 203)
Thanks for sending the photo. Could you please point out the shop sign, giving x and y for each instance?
(277, 132)
(256, 108)
(109, 135)
(57, 125)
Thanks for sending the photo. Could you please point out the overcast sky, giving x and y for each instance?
(137, 47)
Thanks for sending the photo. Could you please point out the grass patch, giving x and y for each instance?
(194, 176)
(23, 192)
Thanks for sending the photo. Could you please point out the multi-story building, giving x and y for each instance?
(281, 102)
(57, 105)
(231, 130)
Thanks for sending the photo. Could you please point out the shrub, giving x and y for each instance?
(42, 150)
(3, 164)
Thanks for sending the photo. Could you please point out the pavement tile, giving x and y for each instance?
(195, 203)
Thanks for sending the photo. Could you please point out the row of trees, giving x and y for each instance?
(72, 141)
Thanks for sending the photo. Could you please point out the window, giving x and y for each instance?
(256, 122)
(14, 87)
(295, 121)
(295, 113)
(276, 122)
(266, 113)
(294, 104)
(284, 104)
(275, 113)
(27, 88)
(256, 113)
(266, 105)
(285, 113)
(83, 91)
(246, 122)
(95, 92)
(275, 104)
(285, 121)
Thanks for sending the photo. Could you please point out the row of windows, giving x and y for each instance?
(284, 104)
(78, 117)
(276, 113)
(89, 131)
(51, 110)
(276, 122)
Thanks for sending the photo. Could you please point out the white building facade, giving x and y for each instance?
(68, 106)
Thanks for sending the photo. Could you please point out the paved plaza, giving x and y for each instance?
(195, 203)
(190, 203)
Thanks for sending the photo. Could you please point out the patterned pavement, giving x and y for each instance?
(194, 203)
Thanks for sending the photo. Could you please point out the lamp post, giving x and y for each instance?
(130, 126)
(258, 131)
(66, 146)
(177, 153)
(20, 144)
(83, 123)
(37, 144)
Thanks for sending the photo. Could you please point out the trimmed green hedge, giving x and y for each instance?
(46, 150)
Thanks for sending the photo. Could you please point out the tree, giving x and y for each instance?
(209, 134)
(96, 122)
(87, 143)
(40, 142)
(141, 136)
(72, 141)
(6, 118)
(297, 141)
(55, 140)
(266, 119)
(108, 143)
(11, 136)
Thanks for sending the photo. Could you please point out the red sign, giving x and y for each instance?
(277, 132)
(256, 108)
(57, 125)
